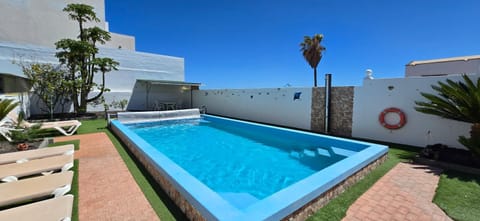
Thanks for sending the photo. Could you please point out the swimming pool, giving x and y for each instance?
(234, 170)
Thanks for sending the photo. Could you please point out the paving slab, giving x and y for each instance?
(404, 193)
(107, 190)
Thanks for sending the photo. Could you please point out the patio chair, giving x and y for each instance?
(23, 156)
(52, 209)
(14, 171)
(34, 188)
(66, 127)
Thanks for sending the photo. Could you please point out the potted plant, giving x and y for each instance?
(22, 146)
(22, 137)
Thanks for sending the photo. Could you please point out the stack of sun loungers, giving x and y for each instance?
(33, 184)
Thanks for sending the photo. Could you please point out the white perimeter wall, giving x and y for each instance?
(269, 105)
(374, 96)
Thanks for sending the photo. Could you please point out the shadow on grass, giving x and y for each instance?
(466, 177)
(405, 156)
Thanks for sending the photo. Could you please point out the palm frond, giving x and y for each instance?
(454, 100)
(312, 49)
(6, 106)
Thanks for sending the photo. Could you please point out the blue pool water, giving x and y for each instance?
(237, 162)
(227, 169)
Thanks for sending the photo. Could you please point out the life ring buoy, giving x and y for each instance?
(401, 122)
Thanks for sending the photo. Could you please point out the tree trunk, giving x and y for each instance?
(83, 103)
(102, 90)
(315, 77)
(475, 133)
(75, 101)
(473, 142)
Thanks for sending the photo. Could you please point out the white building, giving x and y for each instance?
(444, 66)
(42, 23)
(29, 29)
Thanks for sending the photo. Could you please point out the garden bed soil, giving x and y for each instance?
(7, 147)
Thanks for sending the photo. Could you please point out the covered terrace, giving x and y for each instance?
(157, 95)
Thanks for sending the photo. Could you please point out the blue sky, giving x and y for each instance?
(255, 43)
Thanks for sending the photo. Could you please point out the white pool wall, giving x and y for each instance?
(267, 105)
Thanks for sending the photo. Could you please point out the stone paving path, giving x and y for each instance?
(107, 189)
(404, 193)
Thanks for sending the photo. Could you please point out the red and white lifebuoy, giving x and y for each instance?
(399, 124)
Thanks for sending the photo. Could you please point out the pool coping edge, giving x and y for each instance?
(273, 207)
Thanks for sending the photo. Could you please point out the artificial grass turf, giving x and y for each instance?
(74, 190)
(337, 208)
(76, 144)
(158, 199)
(458, 194)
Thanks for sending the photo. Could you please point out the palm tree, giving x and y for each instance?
(312, 52)
(457, 101)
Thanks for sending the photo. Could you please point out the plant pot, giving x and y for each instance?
(22, 146)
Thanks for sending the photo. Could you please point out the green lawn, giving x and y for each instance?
(458, 194)
(464, 206)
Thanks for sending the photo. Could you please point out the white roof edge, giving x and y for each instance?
(101, 47)
(461, 58)
(166, 82)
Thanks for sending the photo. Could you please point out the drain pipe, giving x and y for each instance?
(328, 86)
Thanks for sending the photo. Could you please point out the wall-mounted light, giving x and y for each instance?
(297, 95)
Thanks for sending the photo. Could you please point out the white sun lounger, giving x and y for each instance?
(52, 209)
(66, 127)
(23, 156)
(13, 171)
(57, 184)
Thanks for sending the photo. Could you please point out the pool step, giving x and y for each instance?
(343, 152)
(310, 153)
(334, 150)
(322, 152)
(239, 200)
